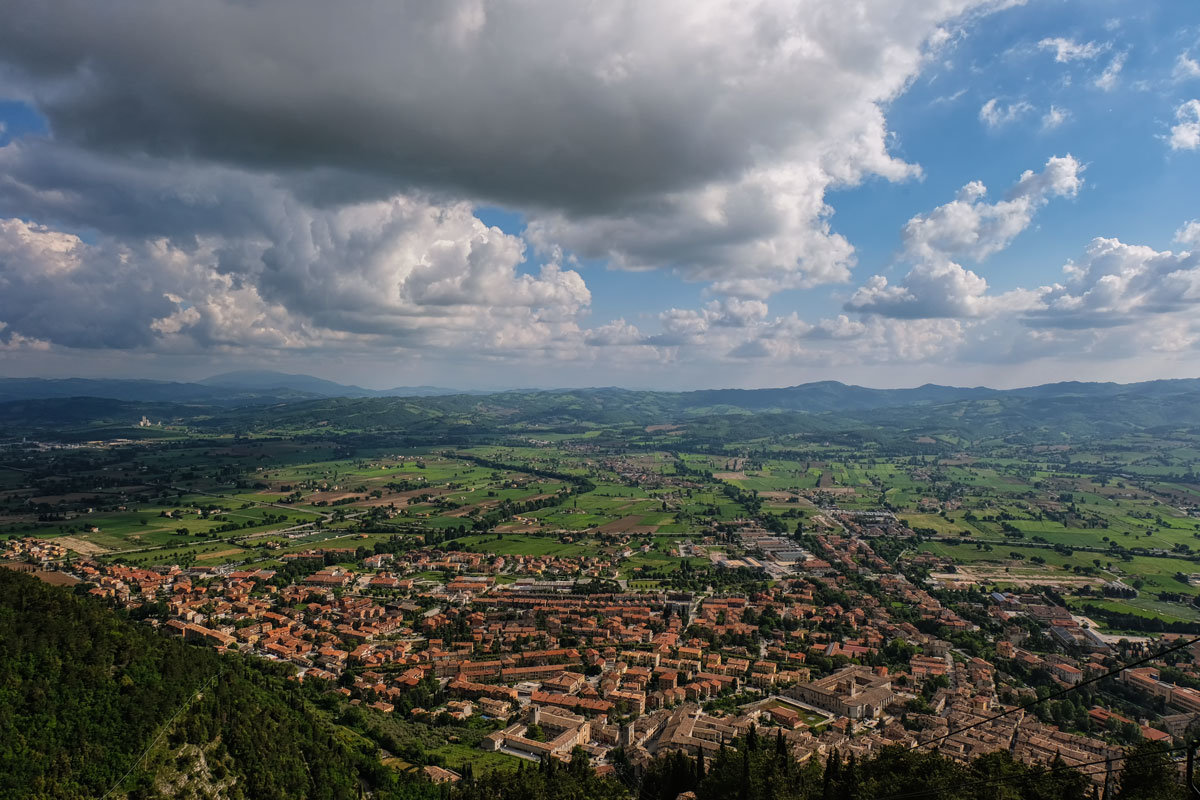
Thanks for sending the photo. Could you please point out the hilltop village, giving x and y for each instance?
(824, 643)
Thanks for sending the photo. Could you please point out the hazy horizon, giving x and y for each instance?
(552, 388)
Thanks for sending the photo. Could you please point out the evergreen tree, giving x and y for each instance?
(1149, 774)
(832, 774)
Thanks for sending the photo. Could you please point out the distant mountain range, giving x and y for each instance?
(266, 381)
(247, 387)
(252, 387)
(277, 402)
(835, 396)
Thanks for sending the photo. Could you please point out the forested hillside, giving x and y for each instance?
(83, 691)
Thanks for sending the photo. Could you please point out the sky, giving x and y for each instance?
(486, 194)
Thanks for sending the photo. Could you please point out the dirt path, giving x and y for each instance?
(84, 548)
(974, 576)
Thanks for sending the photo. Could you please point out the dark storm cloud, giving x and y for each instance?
(552, 105)
(132, 196)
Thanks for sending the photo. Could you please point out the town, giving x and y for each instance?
(838, 651)
(472, 609)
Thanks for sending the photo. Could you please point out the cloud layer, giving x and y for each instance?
(292, 177)
(238, 186)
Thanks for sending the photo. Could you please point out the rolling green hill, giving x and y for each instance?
(1052, 413)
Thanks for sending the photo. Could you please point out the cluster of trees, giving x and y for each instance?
(580, 483)
(739, 579)
(1136, 622)
(761, 768)
(550, 780)
(748, 499)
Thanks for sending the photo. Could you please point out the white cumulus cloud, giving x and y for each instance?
(1186, 68)
(1189, 234)
(1066, 50)
(1054, 118)
(1116, 283)
(995, 114)
(1185, 133)
(968, 227)
(1108, 79)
